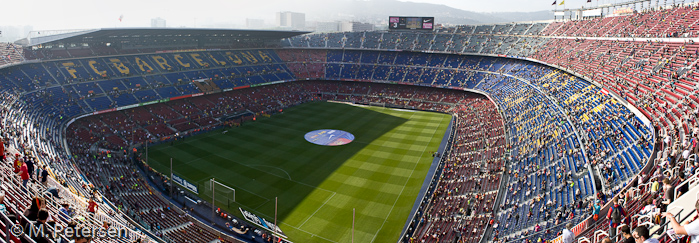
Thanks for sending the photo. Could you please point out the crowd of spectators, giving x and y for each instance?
(463, 201)
(10, 53)
(32, 198)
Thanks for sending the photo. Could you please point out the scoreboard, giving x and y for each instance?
(410, 23)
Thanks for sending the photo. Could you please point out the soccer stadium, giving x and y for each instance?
(578, 129)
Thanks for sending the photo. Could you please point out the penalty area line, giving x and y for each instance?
(321, 206)
(297, 228)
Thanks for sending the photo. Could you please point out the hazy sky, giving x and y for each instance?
(82, 14)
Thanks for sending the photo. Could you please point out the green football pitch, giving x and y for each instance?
(378, 175)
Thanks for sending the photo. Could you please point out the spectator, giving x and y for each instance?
(31, 229)
(92, 206)
(2, 149)
(52, 192)
(655, 186)
(615, 215)
(669, 191)
(17, 164)
(641, 235)
(607, 240)
(3, 209)
(32, 213)
(79, 238)
(691, 229)
(23, 174)
(43, 175)
(66, 211)
(649, 208)
(568, 236)
(30, 167)
(595, 209)
(626, 234)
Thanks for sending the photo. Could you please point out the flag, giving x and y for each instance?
(121, 17)
(554, 2)
(562, 2)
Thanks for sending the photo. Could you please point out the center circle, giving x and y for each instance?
(329, 137)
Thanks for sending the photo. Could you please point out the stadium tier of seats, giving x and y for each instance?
(563, 142)
(518, 39)
(167, 96)
(464, 198)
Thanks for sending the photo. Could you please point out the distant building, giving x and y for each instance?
(356, 27)
(291, 20)
(157, 23)
(13, 33)
(328, 27)
(344, 26)
(254, 23)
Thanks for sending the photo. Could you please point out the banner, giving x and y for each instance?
(104, 111)
(149, 103)
(184, 183)
(261, 222)
(622, 11)
(558, 239)
(578, 229)
(592, 13)
(127, 107)
(181, 97)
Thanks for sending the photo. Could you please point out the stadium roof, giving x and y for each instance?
(122, 34)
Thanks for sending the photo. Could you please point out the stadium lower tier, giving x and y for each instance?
(118, 181)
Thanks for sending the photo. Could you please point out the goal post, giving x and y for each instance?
(379, 104)
(213, 190)
(218, 186)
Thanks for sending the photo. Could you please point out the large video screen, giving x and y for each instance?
(410, 23)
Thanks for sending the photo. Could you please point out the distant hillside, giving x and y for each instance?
(377, 10)
(523, 16)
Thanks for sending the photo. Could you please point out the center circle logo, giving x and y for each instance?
(329, 137)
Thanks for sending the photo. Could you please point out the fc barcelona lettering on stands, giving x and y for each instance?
(146, 64)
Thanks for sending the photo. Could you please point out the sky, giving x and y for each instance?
(499, 5)
(86, 14)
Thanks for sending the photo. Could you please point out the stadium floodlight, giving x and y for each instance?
(213, 202)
